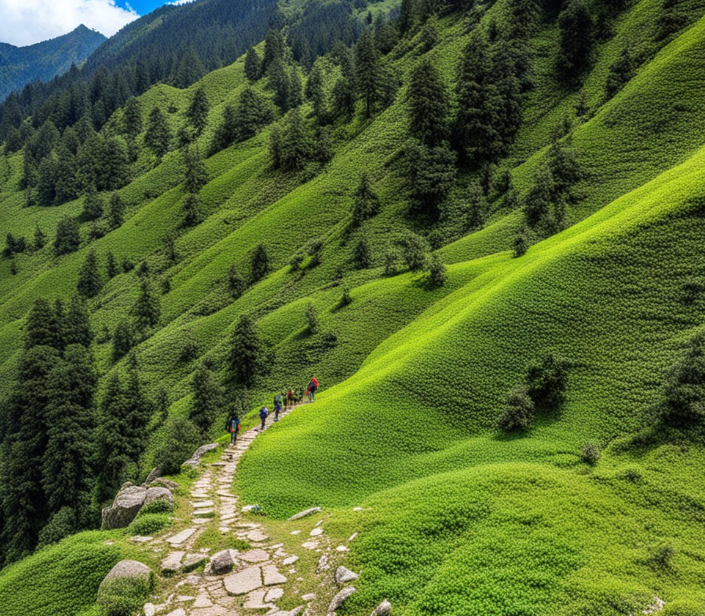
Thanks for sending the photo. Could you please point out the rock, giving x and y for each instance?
(272, 575)
(202, 601)
(206, 504)
(357, 508)
(244, 581)
(125, 507)
(254, 556)
(221, 563)
(316, 532)
(127, 569)
(199, 453)
(295, 612)
(290, 561)
(179, 538)
(255, 601)
(172, 563)
(309, 597)
(247, 508)
(340, 598)
(167, 483)
(383, 609)
(140, 539)
(274, 595)
(192, 561)
(179, 612)
(303, 514)
(323, 564)
(344, 575)
(149, 609)
(156, 494)
(342, 548)
(257, 536)
(153, 476)
(310, 545)
(353, 537)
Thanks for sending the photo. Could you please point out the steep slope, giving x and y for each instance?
(44, 61)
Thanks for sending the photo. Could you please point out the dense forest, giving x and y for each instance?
(477, 223)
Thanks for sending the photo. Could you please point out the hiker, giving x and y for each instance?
(277, 406)
(233, 426)
(263, 414)
(312, 388)
(290, 397)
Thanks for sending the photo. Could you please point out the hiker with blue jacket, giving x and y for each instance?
(263, 414)
(277, 406)
(233, 426)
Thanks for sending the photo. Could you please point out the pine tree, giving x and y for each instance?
(407, 16)
(576, 43)
(564, 168)
(192, 210)
(253, 65)
(315, 92)
(67, 473)
(147, 308)
(158, 136)
(430, 174)
(207, 398)
(40, 238)
(620, 72)
(362, 254)
(430, 33)
(539, 200)
(295, 144)
(280, 83)
(123, 340)
(132, 118)
(429, 105)
(226, 132)
(43, 328)
(68, 237)
(90, 281)
(313, 324)
(275, 147)
(197, 111)
(111, 266)
(259, 264)
(246, 353)
(365, 201)
(344, 98)
(77, 329)
(236, 282)
(116, 211)
(196, 174)
(273, 48)
(368, 71)
(93, 204)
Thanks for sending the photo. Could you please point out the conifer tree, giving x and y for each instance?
(365, 201)
(68, 237)
(295, 143)
(207, 397)
(197, 111)
(90, 281)
(343, 98)
(280, 83)
(275, 147)
(428, 104)
(67, 473)
(259, 263)
(253, 65)
(407, 16)
(226, 132)
(116, 211)
(132, 118)
(538, 201)
(620, 72)
(147, 308)
(196, 174)
(192, 210)
(576, 43)
(236, 282)
(158, 136)
(362, 255)
(40, 238)
(368, 71)
(77, 329)
(273, 48)
(111, 266)
(93, 205)
(66, 184)
(430, 174)
(315, 92)
(246, 352)
(42, 327)
(123, 340)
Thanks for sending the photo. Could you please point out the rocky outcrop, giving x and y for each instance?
(125, 507)
(156, 494)
(199, 453)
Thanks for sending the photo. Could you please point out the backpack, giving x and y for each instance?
(277, 398)
(264, 412)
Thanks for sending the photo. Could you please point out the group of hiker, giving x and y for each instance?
(285, 399)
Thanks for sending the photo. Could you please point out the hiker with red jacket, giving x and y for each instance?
(312, 388)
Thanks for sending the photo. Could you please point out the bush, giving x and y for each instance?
(149, 524)
(61, 524)
(157, 506)
(124, 596)
(518, 414)
(437, 272)
(590, 454)
(181, 438)
(546, 382)
(313, 324)
(662, 555)
(345, 299)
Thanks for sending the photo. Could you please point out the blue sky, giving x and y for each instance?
(142, 6)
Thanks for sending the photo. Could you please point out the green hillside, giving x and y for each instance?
(571, 230)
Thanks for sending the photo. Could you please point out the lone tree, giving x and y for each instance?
(146, 309)
(259, 263)
(196, 175)
(207, 397)
(253, 65)
(577, 41)
(246, 352)
(90, 281)
(518, 414)
(429, 105)
(158, 136)
(68, 236)
(116, 211)
(197, 111)
(93, 205)
(365, 201)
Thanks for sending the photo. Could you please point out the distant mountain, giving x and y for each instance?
(43, 61)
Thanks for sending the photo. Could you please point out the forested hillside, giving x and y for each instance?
(479, 225)
(44, 61)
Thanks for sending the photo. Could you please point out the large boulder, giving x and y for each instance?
(199, 453)
(340, 598)
(126, 587)
(221, 563)
(132, 569)
(125, 507)
(156, 494)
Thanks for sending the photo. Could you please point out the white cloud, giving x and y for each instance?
(23, 22)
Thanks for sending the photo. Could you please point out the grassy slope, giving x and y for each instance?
(432, 390)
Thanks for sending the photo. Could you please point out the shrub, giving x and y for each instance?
(313, 323)
(546, 382)
(518, 413)
(521, 245)
(362, 256)
(345, 299)
(391, 260)
(149, 524)
(590, 454)
(662, 555)
(124, 596)
(62, 524)
(414, 252)
(155, 507)
(437, 272)
(181, 438)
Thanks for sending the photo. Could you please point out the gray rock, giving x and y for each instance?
(344, 575)
(340, 598)
(155, 494)
(153, 475)
(222, 562)
(303, 514)
(172, 563)
(192, 561)
(194, 460)
(323, 564)
(125, 507)
(127, 569)
(383, 609)
(149, 609)
(244, 581)
(167, 483)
